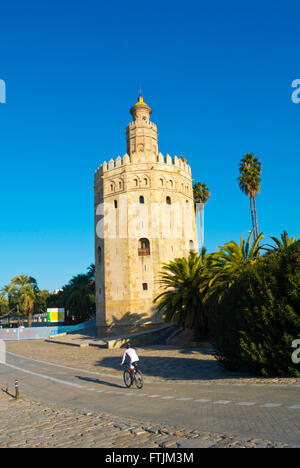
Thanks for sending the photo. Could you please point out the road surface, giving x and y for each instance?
(262, 410)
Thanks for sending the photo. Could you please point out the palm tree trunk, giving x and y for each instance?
(256, 226)
(30, 319)
(252, 217)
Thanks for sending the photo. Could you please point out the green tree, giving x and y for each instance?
(9, 291)
(181, 302)
(42, 297)
(283, 243)
(81, 297)
(201, 196)
(228, 263)
(16, 293)
(254, 326)
(249, 182)
(4, 306)
(78, 296)
(91, 272)
(29, 298)
(201, 192)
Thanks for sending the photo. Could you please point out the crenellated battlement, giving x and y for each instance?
(142, 123)
(158, 159)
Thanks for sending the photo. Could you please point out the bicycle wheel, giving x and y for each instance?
(139, 379)
(127, 378)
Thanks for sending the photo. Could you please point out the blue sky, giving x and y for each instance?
(218, 77)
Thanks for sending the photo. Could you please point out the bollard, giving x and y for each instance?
(17, 389)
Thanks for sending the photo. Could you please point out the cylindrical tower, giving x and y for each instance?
(144, 217)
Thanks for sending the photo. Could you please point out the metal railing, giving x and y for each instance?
(145, 251)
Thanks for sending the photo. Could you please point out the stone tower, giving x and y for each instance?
(144, 217)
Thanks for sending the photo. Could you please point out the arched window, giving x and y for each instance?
(161, 181)
(142, 200)
(171, 183)
(168, 200)
(116, 204)
(146, 181)
(135, 182)
(99, 254)
(144, 247)
(192, 247)
(111, 187)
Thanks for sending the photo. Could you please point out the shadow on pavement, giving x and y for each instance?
(175, 368)
(97, 381)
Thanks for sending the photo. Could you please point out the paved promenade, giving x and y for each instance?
(161, 363)
(75, 397)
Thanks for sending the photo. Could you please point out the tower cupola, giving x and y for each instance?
(141, 133)
(141, 110)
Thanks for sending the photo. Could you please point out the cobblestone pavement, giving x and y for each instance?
(27, 423)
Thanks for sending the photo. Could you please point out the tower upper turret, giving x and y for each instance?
(141, 110)
(141, 133)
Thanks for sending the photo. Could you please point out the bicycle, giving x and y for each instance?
(133, 376)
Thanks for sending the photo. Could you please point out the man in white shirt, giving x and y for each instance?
(131, 355)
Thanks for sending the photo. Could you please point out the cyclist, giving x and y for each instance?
(130, 355)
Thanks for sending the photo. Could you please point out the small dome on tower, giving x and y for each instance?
(141, 109)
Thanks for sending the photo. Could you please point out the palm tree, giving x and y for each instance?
(29, 298)
(23, 280)
(17, 291)
(201, 196)
(4, 306)
(9, 291)
(201, 192)
(91, 271)
(181, 302)
(249, 182)
(282, 244)
(228, 262)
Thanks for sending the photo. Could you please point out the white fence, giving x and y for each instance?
(38, 333)
(2, 352)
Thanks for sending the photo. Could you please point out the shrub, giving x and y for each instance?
(254, 325)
